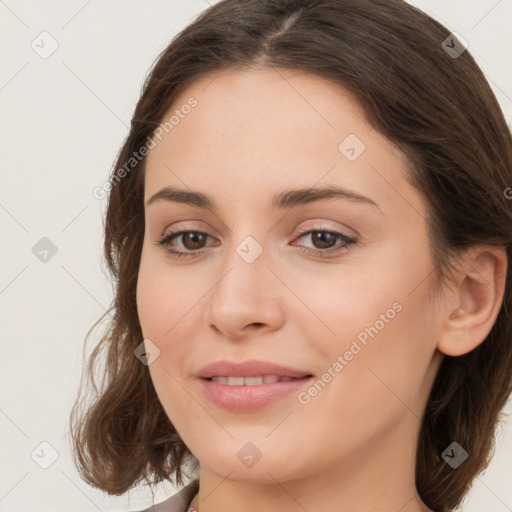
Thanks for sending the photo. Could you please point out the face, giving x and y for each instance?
(335, 288)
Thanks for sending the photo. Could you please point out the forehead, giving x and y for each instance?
(255, 132)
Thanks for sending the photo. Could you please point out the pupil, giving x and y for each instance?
(194, 237)
(321, 236)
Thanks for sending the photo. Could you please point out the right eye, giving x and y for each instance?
(191, 241)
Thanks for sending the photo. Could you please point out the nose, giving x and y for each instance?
(246, 298)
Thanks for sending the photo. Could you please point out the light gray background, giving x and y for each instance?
(62, 120)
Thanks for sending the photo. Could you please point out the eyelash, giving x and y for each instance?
(348, 242)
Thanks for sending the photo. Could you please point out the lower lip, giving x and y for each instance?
(249, 398)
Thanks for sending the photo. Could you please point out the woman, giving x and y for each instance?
(309, 231)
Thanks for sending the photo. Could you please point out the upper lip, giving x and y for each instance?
(253, 368)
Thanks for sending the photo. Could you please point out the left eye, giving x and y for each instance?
(327, 238)
(192, 242)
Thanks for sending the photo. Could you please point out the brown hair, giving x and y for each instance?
(438, 109)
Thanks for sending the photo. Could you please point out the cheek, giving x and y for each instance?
(378, 319)
(165, 299)
(160, 309)
(393, 336)
(168, 309)
(341, 303)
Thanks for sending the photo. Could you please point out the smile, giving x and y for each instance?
(251, 381)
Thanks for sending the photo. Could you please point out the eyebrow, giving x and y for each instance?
(283, 200)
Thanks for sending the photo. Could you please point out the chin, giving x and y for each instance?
(243, 462)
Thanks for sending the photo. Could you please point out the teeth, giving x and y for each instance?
(236, 381)
(253, 381)
(250, 381)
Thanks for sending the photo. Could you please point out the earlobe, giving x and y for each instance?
(476, 300)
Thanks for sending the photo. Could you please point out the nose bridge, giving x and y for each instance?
(245, 270)
(245, 293)
(249, 243)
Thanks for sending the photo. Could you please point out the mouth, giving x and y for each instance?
(253, 369)
(253, 381)
(250, 385)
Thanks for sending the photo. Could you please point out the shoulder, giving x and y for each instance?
(178, 502)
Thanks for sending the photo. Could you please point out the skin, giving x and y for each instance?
(253, 134)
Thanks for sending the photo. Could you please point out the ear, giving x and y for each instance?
(475, 301)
